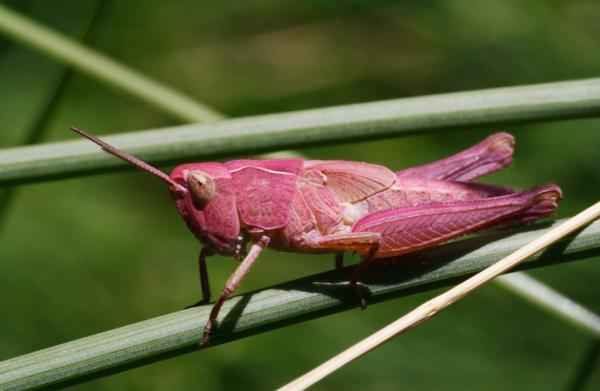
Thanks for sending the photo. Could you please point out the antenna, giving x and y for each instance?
(130, 159)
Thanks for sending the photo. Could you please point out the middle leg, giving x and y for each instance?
(358, 272)
(364, 243)
(339, 261)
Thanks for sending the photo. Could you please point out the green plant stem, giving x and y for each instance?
(588, 364)
(278, 306)
(552, 301)
(97, 65)
(310, 127)
(46, 110)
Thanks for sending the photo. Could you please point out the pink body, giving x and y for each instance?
(338, 206)
(311, 206)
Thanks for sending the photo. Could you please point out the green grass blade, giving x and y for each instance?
(278, 306)
(97, 65)
(500, 106)
(546, 298)
(42, 113)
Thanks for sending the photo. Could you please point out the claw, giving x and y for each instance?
(360, 297)
(206, 340)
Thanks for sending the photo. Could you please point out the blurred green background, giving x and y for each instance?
(85, 255)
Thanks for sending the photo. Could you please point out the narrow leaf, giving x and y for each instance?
(97, 65)
(278, 306)
(548, 299)
(310, 127)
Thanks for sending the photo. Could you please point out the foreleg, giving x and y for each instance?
(204, 283)
(232, 284)
(203, 272)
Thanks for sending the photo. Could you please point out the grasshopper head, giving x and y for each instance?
(209, 206)
(203, 194)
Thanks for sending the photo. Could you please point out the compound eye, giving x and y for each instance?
(202, 188)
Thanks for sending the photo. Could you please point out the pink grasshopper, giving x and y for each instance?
(319, 206)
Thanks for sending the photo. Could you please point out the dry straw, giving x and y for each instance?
(443, 301)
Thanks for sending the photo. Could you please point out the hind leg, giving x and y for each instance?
(404, 230)
(492, 154)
